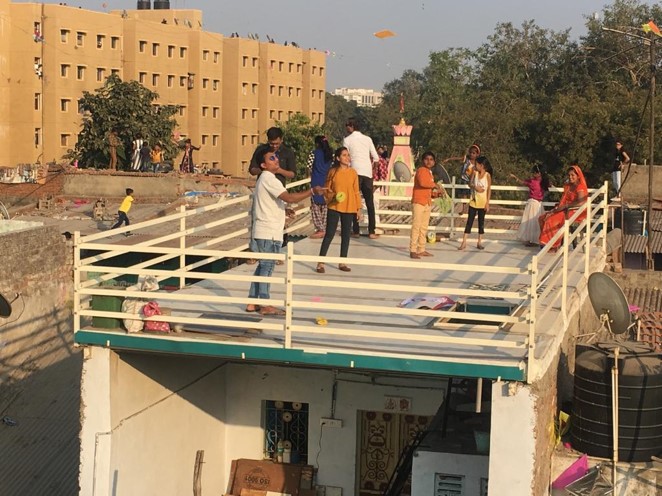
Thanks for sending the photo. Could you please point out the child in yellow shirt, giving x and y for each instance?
(156, 156)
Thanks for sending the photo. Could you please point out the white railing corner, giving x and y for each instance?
(289, 276)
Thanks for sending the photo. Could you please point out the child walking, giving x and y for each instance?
(123, 211)
(479, 204)
(421, 206)
(529, 228)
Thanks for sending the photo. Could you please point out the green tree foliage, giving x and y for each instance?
(299, 135)
(337, 111)
(128, 108)
(532, 95)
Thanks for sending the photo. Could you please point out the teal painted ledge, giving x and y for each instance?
(277, 355)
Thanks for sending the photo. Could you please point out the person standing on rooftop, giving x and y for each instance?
(363, 157)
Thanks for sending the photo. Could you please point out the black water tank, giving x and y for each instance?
(143, 5)
(161, 4)
(633, 221)
(639, 396)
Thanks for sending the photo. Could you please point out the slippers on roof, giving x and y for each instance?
(269, 310)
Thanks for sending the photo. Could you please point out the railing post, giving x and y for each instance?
(533, 269)
(451, 235)
(76, 281)
(605, 216)
(564, 286)
(182, 246)
(289, 274)
(587, 249)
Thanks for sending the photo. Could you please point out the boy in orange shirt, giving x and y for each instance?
(421, 206)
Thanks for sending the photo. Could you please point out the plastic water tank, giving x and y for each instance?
(639, 396)
(633, 221)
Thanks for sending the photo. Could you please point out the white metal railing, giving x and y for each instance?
(546, 288)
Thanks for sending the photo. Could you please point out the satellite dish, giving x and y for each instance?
(5, 307)
(609, 303)
(402, 172)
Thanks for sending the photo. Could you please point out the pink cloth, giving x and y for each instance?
(572, 473)
(535, 188)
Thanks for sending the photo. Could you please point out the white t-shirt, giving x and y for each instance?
(362, 152)
(268, 209)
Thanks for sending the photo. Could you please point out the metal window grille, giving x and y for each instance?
(286, 421)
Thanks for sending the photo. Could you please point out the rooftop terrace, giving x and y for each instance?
(508, 309)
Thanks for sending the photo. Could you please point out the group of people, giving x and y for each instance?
(146, 158)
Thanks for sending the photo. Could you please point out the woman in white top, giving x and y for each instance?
(479, 204)
(136, 145)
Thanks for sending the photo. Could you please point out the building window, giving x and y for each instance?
(183, 80)
(142, 46)
(205, 83)
(280, 66)
(64, 140)
(205, 54)
(171, 80)
(80, 72)
(214, 140)
(298, 67)
(280, 91)
(254, 139)
(321, 71)
(272, 89)
(142, 77)
(101, 73)
(313, 93)
(254, 61)
(298, 92)
(272, 114)
(254, 113)
(286, 421)
(244, 61)
(114, 42)
(100, 39)
(320, 117)
(155, 49)
(171, 51)
(37, 136)
(115, 72)
(64, 35)
(216, 57)
(205, 111)
(64, 105)
(182, 110)
(182, 52)
(214, 85)
(244, 139)
(80, 39)
(254, 88)
(244, 113)
(244, 88)
(204, 139)
(448, 485)
(155, 79)
(280, 115)
(291, 67)
(313, 115)
(215, 112)
(290, 91)
(37, 101)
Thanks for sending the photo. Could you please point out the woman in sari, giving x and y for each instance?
(575, 193)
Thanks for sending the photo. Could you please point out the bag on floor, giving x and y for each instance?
(132, 305)
(150, 309)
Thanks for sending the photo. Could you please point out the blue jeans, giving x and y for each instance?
(264, 267)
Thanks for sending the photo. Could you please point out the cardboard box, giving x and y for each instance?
(265, 477)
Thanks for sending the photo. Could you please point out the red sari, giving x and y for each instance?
(552, 222)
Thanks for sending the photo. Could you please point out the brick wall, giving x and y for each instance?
(36, 263)
(14, 195)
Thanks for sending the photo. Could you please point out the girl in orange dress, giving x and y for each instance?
(575, 193)
(344, 202)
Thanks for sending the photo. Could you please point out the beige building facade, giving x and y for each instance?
(229, 90)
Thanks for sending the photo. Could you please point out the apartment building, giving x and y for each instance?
(362, 96)
(229, 90)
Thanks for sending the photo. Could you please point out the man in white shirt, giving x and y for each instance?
(268, 215)
(363, 155)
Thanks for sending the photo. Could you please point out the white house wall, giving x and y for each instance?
(427, 463)
(248, 386)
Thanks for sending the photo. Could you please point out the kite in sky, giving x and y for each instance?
(386, 33)
(650, 26)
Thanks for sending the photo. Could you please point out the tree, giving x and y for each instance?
(337, 111)
(129, 109)
(299, 135)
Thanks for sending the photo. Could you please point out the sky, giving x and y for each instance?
(345, 28)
